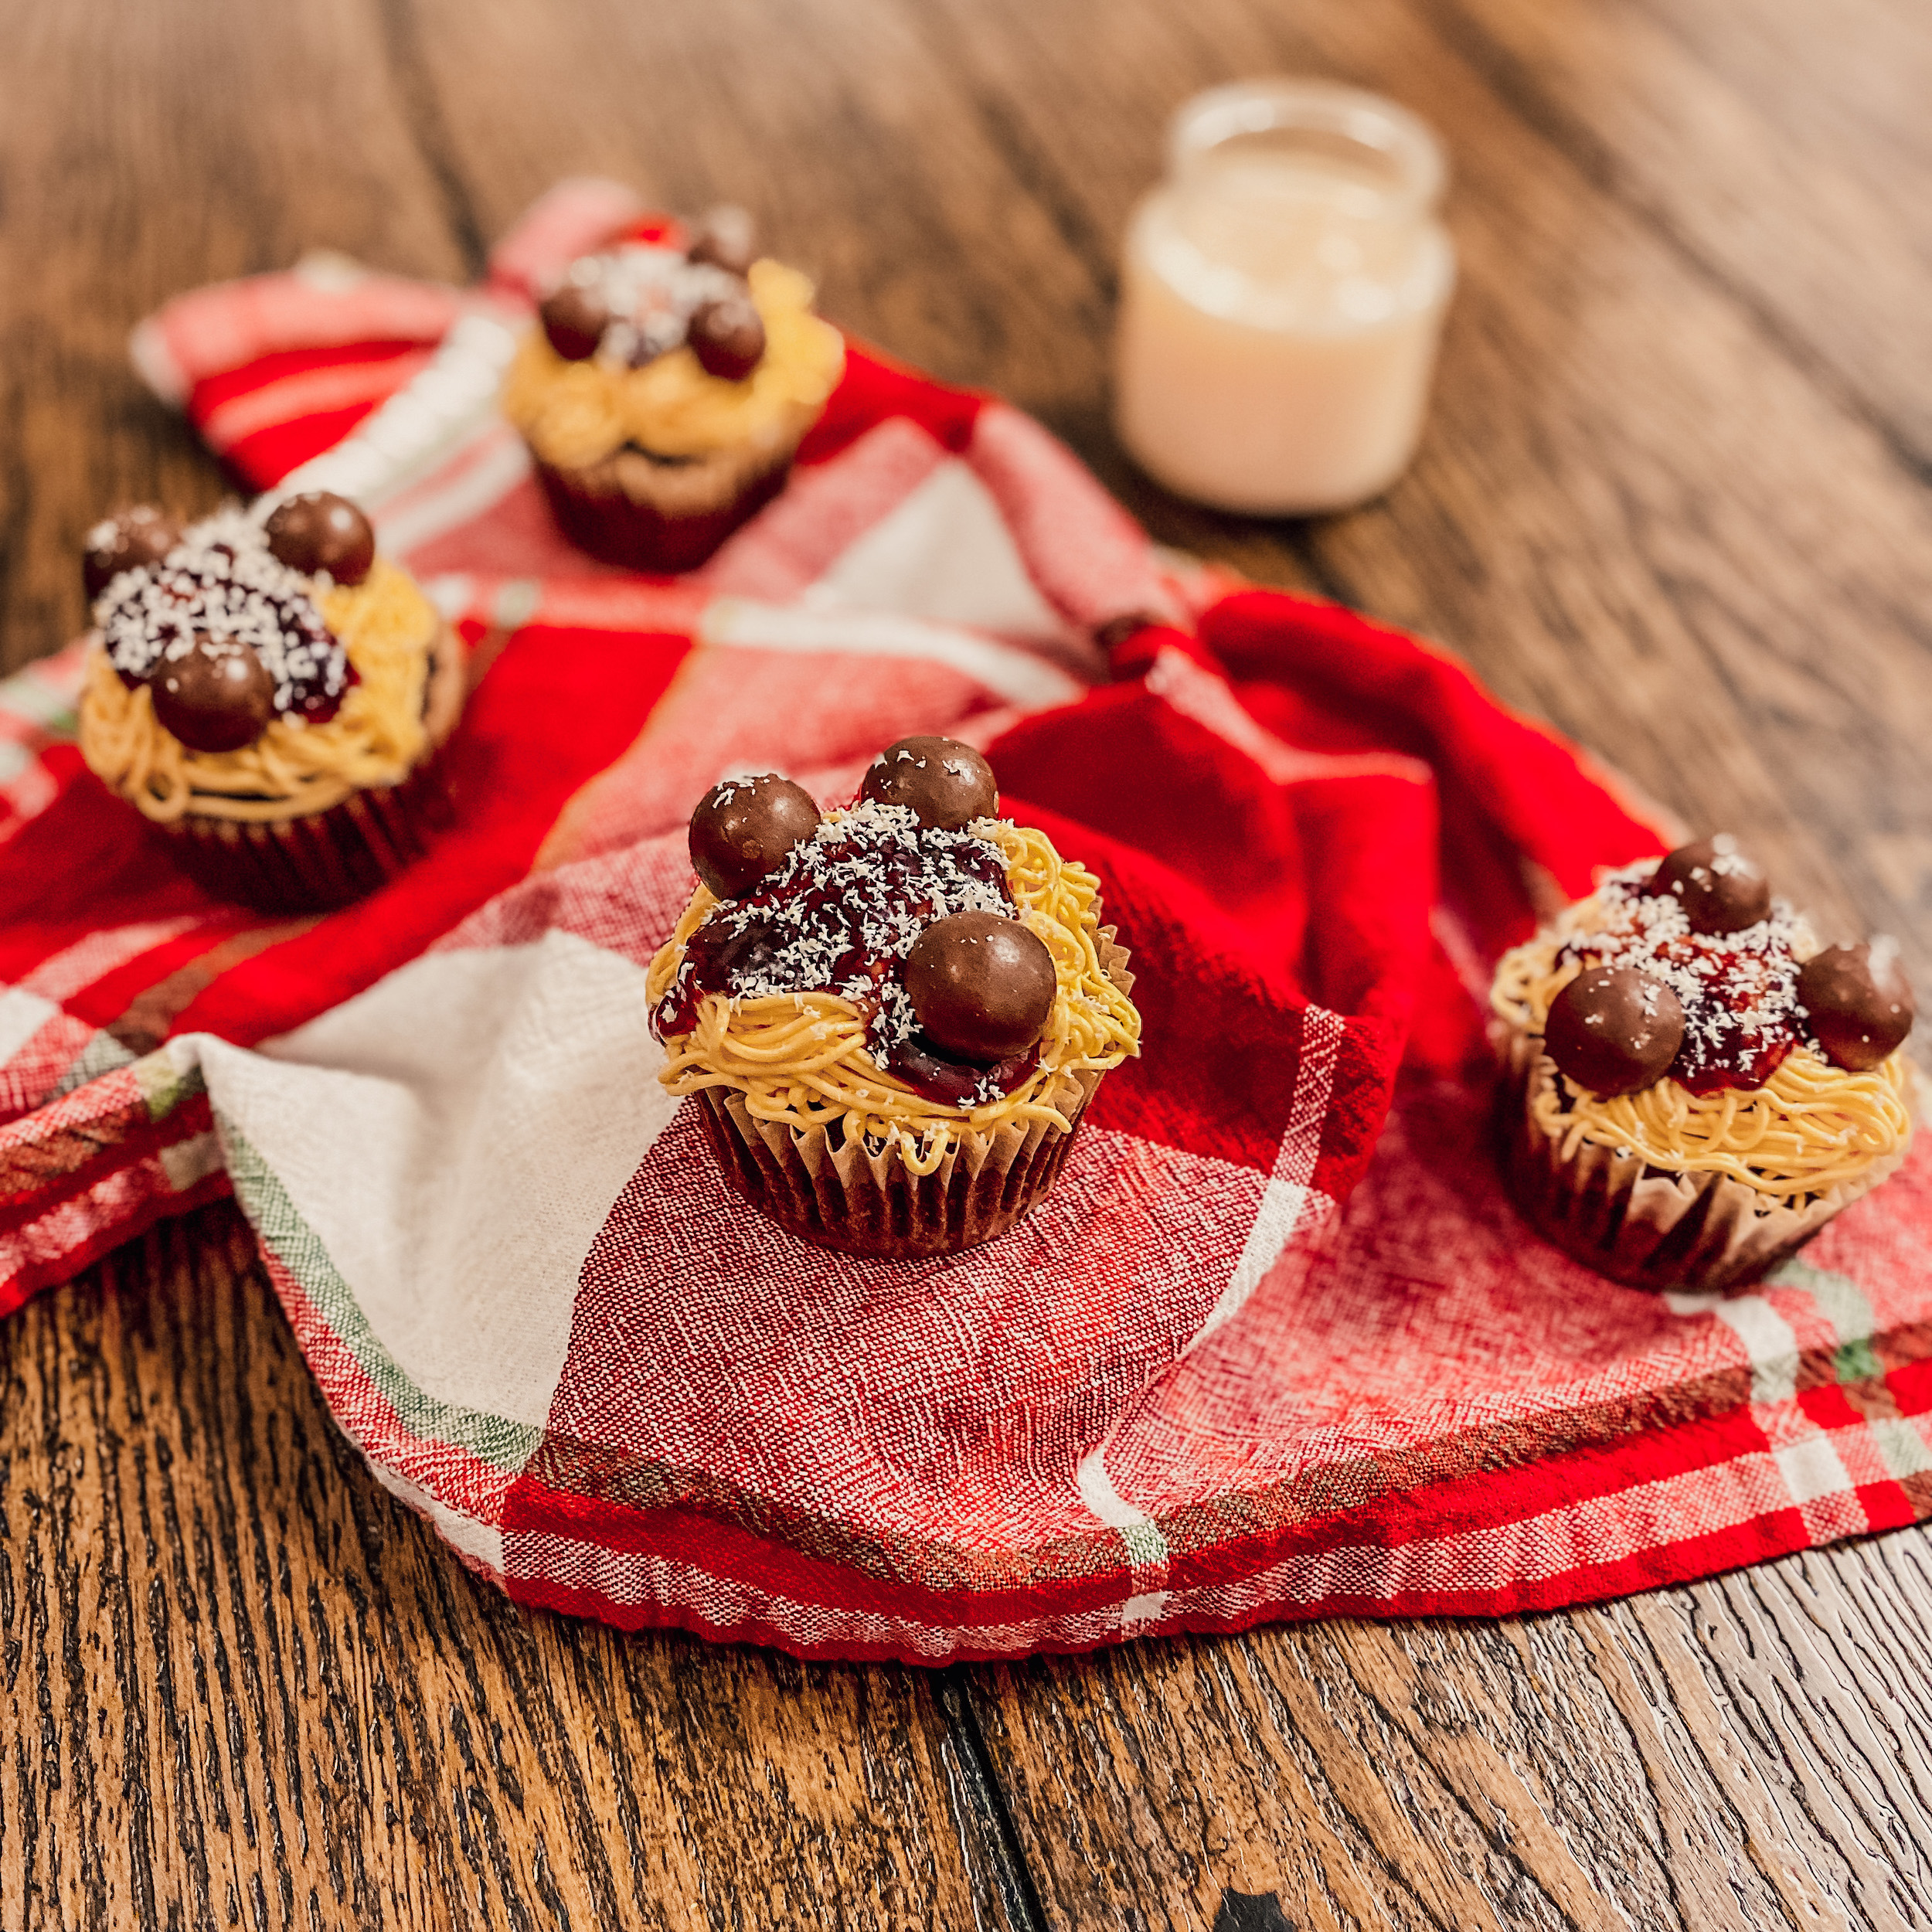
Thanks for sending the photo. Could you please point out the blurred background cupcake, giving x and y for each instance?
(666, 389)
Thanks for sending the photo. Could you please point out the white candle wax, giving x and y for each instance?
(1281, 299)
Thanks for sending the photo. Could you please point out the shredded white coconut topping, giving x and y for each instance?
(650, 295)
(1738, 990)
(222, 582)
(869, 881)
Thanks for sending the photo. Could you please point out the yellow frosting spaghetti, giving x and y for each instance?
(799, 1059)
(386, 626)
(574, 414)
(1810, 1128)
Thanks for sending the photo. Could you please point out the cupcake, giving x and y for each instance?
(271, 694)
(1692, 1085)
(666, 389)
(892, 1015)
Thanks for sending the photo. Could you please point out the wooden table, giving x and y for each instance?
(1674, 497)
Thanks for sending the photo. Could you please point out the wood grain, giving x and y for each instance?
(240, 1684)
(145, 150)
(1673, 497)
(1771, 147)
(1755, 1752)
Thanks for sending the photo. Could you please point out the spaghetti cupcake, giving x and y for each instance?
(272, 694)
(1693, 1086)
(666, 389)
(893, 1015)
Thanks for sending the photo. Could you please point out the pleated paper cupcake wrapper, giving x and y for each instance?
(317, 861)
(647, 514)
(864, 1202)
(321, 861)
(1612, 1212)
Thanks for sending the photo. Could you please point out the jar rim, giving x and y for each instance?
(1403, 141)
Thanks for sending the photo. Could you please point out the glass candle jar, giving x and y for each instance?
(1282, 293)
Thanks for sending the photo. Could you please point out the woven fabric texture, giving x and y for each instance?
(1275, 1346)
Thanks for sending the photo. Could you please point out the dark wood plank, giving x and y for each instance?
(1752, 1752)
(146, 150)
(846, 125)
(240, 1684)
(1774, 146)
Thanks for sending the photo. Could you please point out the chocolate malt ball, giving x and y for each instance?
(947, 784)
(728, 337)
(128, 540)
(1614, 1030)
(320, 531)
(982, 986)
(1720, 889)
(726, 237)
(574, 318)
(1858, 1001)
(744, 828)
(217, 696)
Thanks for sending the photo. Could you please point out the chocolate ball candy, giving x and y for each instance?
(126, 541)
(320, 531)
(982, 986)
(1719, 888)
(217, 697)
(574, 318)
(1613, 1030)
(743, 827)
(728, 337)
(947, 784)
(726, 237)
(1856, 998)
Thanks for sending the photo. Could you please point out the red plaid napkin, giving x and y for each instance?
(1275, 1346)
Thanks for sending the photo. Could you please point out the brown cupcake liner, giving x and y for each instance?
(661, 515)
(318, 861)
(1635, 1224)
(843, 1195)
(324, 860)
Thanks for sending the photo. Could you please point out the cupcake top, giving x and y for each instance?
(911, 966)
(629, 306)
(225, 632)
(679, 351)
(1692, 1018)
(250, 669)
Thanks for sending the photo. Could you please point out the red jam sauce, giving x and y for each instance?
(1739, 990)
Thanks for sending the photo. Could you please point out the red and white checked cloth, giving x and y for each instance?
(1276, 1346)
